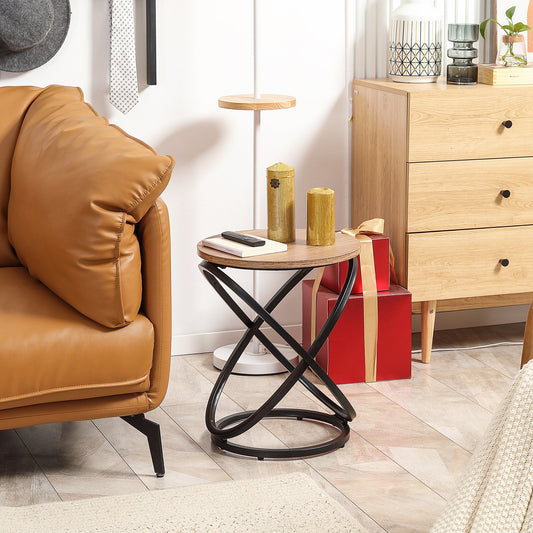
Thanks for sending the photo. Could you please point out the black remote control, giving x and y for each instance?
(249, 240)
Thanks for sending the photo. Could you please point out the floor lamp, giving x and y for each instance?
(255, 360)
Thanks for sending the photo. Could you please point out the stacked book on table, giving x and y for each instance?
(243, 250)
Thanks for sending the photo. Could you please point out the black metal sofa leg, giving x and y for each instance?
(153, 433)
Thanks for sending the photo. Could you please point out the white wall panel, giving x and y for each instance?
(205, 50)
(311, 49)
(371, 30)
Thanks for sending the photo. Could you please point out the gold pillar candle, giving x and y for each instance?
(280, 199)
(320, 216)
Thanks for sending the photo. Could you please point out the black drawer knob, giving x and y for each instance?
(507, 123)
(505, 193)
(504, 262)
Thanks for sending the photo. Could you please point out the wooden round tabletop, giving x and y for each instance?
(298, 254)
(248, 102)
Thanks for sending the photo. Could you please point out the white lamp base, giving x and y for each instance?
(251, 363)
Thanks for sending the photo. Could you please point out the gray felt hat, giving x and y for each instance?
(31, 32)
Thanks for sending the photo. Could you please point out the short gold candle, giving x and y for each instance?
(280, 199)
(320, 216)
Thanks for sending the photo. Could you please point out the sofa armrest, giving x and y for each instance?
(153, 232)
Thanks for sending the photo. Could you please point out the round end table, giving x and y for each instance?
(303, 259)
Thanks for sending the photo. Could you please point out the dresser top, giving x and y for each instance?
(439, 86)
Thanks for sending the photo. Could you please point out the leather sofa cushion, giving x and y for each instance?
(14, 102)
(78, 186)
(52, 353)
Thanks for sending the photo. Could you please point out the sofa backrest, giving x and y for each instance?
(14, 102)
(78, 187)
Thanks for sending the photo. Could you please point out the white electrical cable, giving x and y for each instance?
(505, 343)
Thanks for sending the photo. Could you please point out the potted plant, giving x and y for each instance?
(512, 51)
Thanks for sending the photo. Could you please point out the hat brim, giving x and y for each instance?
(40, 54)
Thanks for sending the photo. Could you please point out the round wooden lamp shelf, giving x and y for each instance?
(265, 102)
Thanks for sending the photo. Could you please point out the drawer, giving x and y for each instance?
(462, 264)
(467, 194)
(468, 124)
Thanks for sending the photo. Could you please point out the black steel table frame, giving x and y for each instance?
(235, 424)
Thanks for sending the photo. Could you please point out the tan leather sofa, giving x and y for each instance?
(85, 321)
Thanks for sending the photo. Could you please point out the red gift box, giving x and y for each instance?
(334, 275)
(343, 355)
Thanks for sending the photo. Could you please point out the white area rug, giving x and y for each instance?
(289, 503)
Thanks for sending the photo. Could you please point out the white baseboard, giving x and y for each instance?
(210, 341)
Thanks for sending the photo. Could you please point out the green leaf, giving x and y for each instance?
(508, 29)
(510, 12)
(483, 27)
(519, 27)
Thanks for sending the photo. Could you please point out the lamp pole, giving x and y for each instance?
(255, 360)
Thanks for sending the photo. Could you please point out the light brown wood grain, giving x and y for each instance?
(434, 157)
(454, 264)
(439, 88)
(379, 182)
(479, 302)
(266, 102)
(466, 194)
(298, 254)
(404, 89)
(469, 125)
(501, 75)
(429, 311)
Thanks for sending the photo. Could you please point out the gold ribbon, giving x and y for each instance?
(370, 294)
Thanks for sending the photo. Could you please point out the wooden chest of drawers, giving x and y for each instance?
(450, 169)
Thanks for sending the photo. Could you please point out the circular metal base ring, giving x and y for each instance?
(286, 453)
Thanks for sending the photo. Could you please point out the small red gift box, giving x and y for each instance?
(334, 275)
(343, 354)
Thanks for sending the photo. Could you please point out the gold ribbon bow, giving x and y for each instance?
(370, 294)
